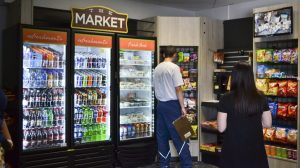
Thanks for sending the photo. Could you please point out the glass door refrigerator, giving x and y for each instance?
(91, 103)
(35, 67)
(136, 58)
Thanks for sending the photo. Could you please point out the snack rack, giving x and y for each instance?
(187, 60)
(276, 76)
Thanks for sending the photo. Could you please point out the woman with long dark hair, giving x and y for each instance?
(243, 113)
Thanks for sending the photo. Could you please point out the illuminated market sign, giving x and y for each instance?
(99, 18)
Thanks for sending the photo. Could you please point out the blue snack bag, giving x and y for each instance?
(273, 108)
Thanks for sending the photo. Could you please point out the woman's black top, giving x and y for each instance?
(243, 145)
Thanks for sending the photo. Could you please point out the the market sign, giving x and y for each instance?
(99, 18)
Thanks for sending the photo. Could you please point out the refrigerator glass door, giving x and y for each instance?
(44, 92)
(92, 88)
(136, 93)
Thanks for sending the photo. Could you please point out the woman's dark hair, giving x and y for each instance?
(248, 100)
(169, 51)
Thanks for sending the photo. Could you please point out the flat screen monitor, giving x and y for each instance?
(273, 23)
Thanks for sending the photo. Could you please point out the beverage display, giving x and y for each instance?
(136, 94)
(92, 89)
(43, 95)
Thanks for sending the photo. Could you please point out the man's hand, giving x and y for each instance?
(183, 112)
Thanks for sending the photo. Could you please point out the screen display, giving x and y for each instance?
(276, 22)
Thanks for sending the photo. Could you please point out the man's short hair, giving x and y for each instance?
(169, 51)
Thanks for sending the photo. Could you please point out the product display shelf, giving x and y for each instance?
(280, 158)
(291, 69)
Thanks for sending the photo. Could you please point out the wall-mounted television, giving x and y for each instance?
(273, 23)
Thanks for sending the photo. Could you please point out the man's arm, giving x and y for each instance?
(179, 94)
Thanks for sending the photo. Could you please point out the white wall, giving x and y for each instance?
(236, 11)
(134, 9)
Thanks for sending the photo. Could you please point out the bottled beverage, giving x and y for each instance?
(55, 97)
(44, 137)
(49, 98)
(55, 79)
(44, 99)
(39, 119)
(50, 117)
(33, 138)
(44, 118)
(61, 116)
(50, 136)
(55, 135)
(60, 79)
(26, 138)
(50, 79)
(45, 60)
(25, 118)
(39, 137)
(32, 119)
(50, 60)
(55, 61)
(60, 61)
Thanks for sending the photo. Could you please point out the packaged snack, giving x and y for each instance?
(292, 136)
(260, 54)
(292, 111)
(193, 57)
(273, 88)
(282, 90)
(282, 110)
(268, 55)
(262, 85)
(261, 71)
(270, 72)
(294, 56)
(180, 57)
(185, 74)
(286, 55)
(277, 56)
(272, 150)
(269, 135)
(281, 135)
(273, 108)
(264, 131)
(187, 83)
(292, 88)
(186, 57)
(194, 85)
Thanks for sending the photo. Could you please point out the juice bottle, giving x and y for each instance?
(50, 60)
(50, 79)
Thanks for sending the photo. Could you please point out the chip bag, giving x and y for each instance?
(277, 56)
(260, 54)
(273, 88)
(294, 56)
(282, 110)
(292, 136)
(273, 108)
(261, 71)
(186, 57)
(282, 90)
(180, 57)
(292, 88)
(286, 55)
(262, 85)
(268, 57)
(269, 134)
(292, 111)
(281, 135)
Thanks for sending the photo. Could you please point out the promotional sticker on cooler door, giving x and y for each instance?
(92, 88)
(44, 92)
(136, 57)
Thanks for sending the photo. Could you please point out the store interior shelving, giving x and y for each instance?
(276, 76)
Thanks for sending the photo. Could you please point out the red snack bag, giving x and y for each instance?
(281, 135)
(269, 134)
(282, 90)
(292, 111)
(282, 110)
(292, 88)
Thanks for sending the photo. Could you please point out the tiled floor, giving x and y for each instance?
(176, 165)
